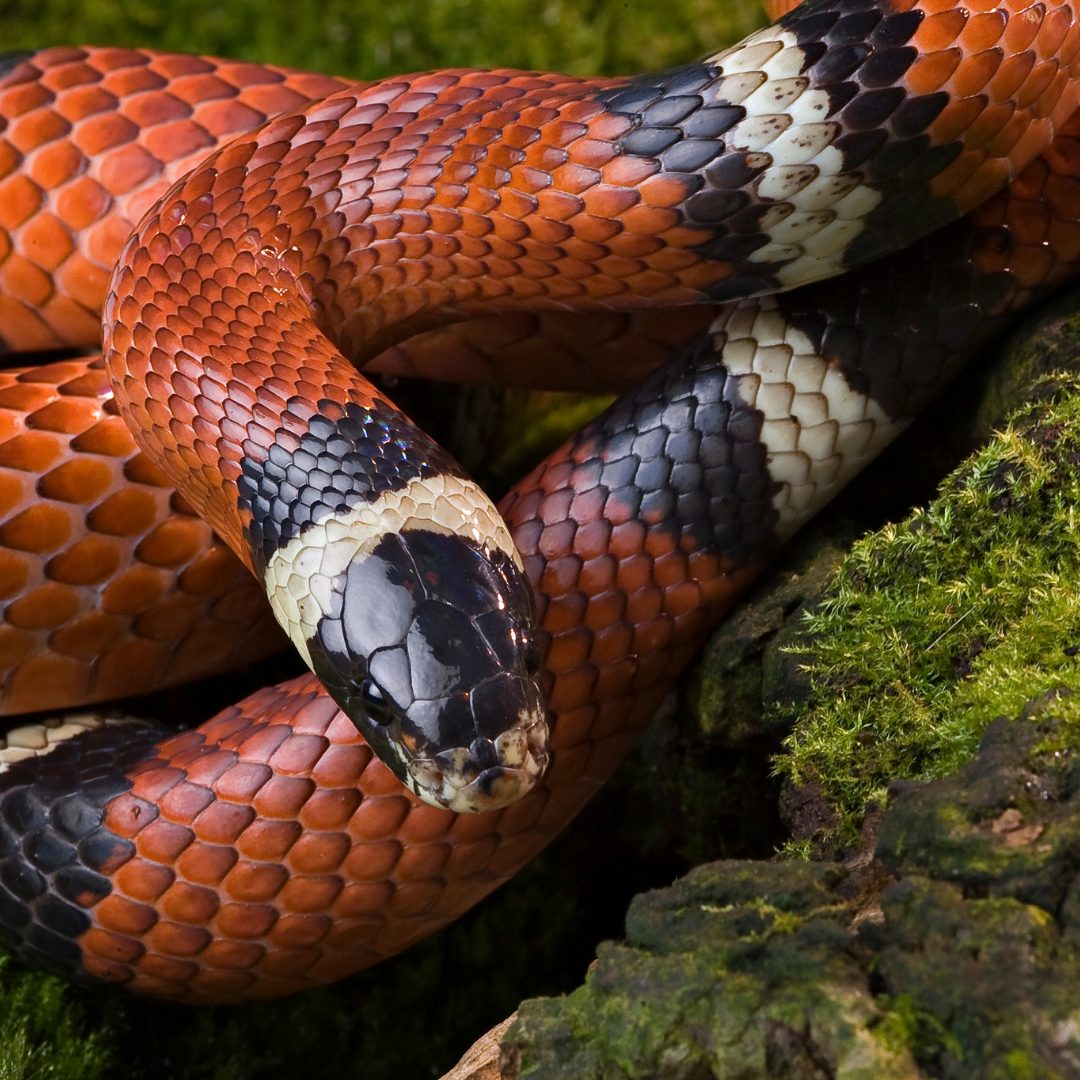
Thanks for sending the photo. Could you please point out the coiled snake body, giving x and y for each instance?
(269, 850)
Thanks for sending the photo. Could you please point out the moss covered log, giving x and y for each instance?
(950, 949)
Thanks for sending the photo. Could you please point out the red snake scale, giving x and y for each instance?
(268, 850)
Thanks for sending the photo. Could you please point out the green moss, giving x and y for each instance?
(906, 1026)
(44, 1031)
(1019, 1066)
(369, 38)
(1049, 341)
(532, 424)
(979, 984)
(934, 626)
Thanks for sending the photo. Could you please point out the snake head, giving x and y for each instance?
(432, 655)
(402, 589)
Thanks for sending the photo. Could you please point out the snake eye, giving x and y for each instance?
(375, 702)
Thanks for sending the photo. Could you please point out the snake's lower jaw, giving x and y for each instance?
(488, 775)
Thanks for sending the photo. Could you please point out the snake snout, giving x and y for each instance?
(482, 750)
(486, 775)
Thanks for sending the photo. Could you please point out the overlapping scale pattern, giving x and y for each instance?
(264, 856)
(470, 191)
(89, 140)
(1003, 77)
(54, 847)
(269, 850)
(109, 584)
(63, 110)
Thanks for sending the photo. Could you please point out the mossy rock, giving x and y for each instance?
(953, 953)
(738, 970)
(936, 625)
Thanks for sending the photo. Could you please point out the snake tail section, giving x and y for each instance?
(55, 853)
(845, 131)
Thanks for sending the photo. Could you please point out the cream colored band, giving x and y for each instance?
(301, 576)
(43, 736)
(818, 431)
(819, 206)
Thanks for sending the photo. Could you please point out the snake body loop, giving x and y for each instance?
(269, 850)
(331, 229)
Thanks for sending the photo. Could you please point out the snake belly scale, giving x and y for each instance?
(269, 849)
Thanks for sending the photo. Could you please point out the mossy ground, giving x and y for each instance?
(44, 1032)
(937, 625)
(934, 626)
(370, 38)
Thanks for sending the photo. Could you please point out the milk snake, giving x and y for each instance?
(268, 850)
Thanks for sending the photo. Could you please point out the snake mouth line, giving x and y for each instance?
(488, 775)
